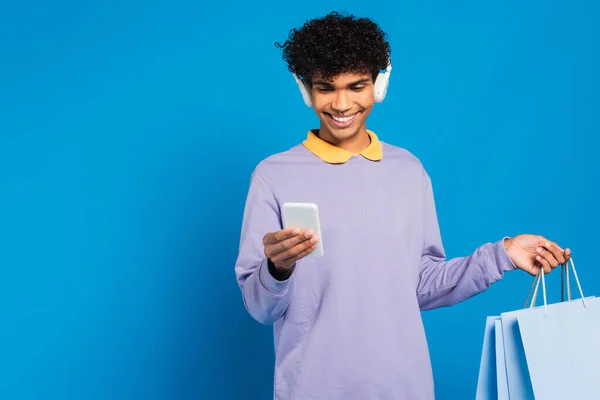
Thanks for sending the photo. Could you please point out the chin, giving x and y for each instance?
(346, 132)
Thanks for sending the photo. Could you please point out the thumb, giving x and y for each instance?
(541, 262)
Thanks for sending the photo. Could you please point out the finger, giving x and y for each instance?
(276, 237)
(288, 244)
(306, 252)
(535, 269)
(301, 255)
(568, 254)
(285, 256)
(298, 249)
(548, 257)
(557, 246)
(274, 251)
(544, 264)
(557, 252)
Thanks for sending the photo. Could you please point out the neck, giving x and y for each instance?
(354, 144)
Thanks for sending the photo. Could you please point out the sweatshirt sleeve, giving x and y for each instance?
(265, 298)
(446, 282)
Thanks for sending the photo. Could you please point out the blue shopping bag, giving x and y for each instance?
(501, 377)
(518, 349)
(562, 349)
(486, 382)
(561, 343)
(492, 383)
(517, 375)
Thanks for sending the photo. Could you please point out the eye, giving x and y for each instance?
(357, 88)
(323, 89)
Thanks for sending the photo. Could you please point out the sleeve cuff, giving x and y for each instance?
(499, 261)
(278, 288)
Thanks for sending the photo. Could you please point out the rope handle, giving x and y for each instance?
(565, 277)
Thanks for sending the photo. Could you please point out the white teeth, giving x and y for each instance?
(343, 119)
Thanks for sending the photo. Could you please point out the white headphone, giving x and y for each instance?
(381, 85)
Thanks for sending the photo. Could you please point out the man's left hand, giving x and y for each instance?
(532, 252)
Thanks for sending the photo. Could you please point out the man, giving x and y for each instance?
(348, 325)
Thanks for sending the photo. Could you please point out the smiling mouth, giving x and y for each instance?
(341, 122)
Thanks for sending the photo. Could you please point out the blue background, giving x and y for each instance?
(128, 132)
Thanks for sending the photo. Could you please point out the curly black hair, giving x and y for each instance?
(336, 44)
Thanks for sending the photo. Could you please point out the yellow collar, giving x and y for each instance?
(336, 155)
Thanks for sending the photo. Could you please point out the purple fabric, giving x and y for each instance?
(348, 325)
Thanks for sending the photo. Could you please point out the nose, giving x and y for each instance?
(342, 102)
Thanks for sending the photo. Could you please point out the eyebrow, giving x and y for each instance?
(327, 84)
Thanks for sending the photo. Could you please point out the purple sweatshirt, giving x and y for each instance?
(348, 325)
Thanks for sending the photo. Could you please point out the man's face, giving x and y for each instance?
(343, 105)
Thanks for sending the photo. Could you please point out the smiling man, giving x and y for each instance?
(348, 325)
(343, 106)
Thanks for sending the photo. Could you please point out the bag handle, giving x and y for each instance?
(564, 277)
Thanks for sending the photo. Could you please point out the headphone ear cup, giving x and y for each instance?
(304, 91)
(381, 84)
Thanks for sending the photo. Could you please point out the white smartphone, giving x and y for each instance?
(304, 216)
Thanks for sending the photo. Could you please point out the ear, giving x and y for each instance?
(304, 90)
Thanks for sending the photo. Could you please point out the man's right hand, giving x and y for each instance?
(287, 246)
